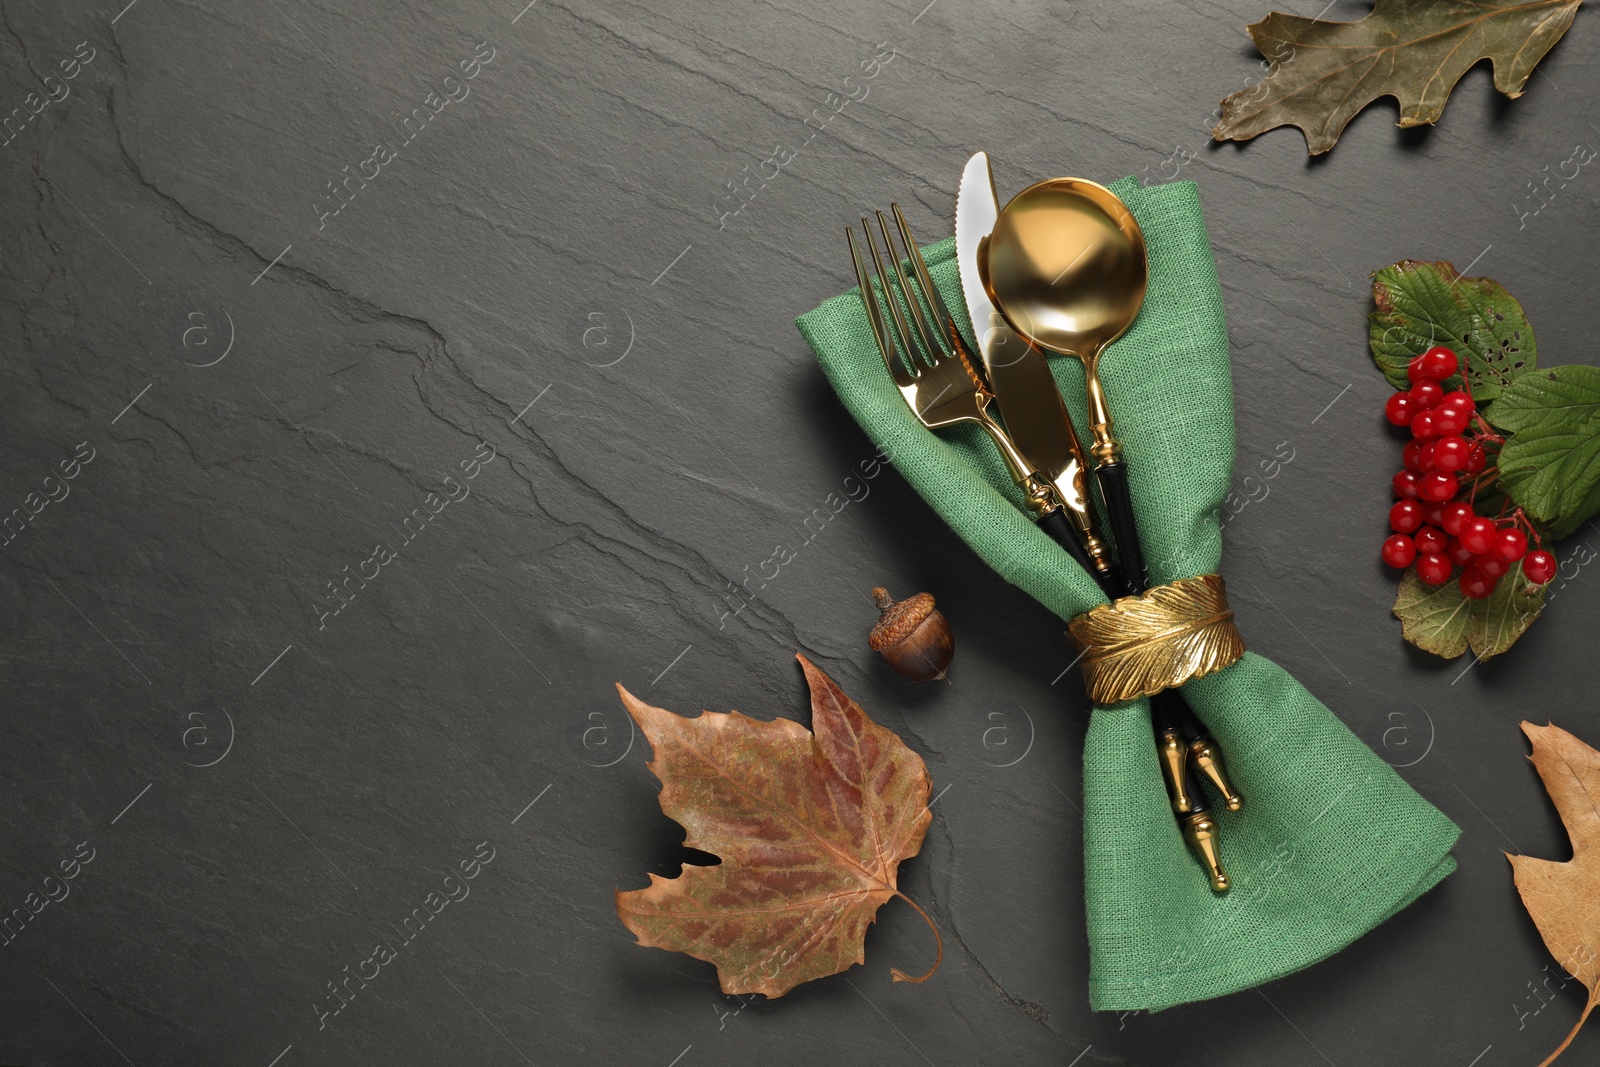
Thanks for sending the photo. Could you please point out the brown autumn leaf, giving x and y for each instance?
(810, 826)
(1322, 73)
(1564, 898)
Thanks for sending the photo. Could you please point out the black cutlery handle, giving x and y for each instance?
(1189, 805)
(1055, 523)
(1166, 718)
(1169, 706)
(1169, 711)
(1204, 753)
(1113, 479)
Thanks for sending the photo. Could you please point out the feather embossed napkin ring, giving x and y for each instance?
(1138, 646)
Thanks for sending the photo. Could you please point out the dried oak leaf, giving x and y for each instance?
(1322, 73)
(810, 826)
(1564, 898)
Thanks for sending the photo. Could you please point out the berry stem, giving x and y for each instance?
(1521, 519)
(1478, 479)
(1487, 432)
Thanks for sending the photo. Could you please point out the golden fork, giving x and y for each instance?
(935, 373)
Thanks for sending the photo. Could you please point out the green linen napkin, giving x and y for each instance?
(1331, 841)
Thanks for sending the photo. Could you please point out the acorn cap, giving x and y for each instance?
(898, 619)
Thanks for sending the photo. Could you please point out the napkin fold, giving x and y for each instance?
(1331, 841)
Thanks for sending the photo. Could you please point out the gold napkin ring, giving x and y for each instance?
(1140, 645)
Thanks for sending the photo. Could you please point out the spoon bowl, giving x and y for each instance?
(1066, 266)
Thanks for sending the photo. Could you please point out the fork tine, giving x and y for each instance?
(944, 324)
(931, 349)
(880, 328)
(889, 298)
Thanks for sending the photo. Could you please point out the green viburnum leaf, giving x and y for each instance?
(1551, 464)
(1323, 73)
(1441, 620)
(1420, 305)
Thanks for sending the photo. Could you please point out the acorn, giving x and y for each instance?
(913, 636)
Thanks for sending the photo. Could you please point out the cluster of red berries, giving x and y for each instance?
(1446, 460)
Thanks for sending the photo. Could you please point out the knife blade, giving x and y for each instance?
(1019, 376)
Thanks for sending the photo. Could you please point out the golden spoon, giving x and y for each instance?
(1066, 267)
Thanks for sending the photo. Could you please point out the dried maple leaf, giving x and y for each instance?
(1564, 898)
(1323, 73)
(810, 826)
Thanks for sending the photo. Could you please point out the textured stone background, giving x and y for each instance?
(542, 269)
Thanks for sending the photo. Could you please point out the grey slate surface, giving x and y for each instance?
(269, 390)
